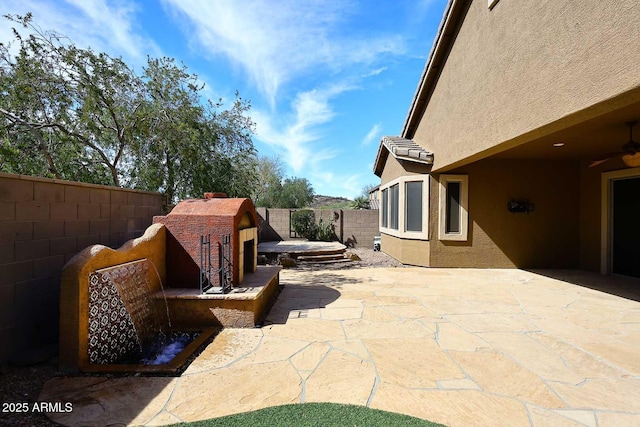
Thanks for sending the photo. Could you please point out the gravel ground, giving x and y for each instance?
(23, 384)
(374, 259)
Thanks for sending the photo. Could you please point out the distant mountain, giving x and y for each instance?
(329, 202)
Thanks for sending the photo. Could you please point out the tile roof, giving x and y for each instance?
(213, 207)
(400, 148)
(374, 204)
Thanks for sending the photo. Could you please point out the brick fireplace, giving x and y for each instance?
(216, 216)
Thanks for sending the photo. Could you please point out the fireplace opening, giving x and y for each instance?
(249, 256)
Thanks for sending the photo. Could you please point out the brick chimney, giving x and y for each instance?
(215, 195)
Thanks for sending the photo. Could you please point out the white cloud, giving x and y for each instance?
(294, 53)
(296, 133)
(113, 23)
(102, 25)
(422, 8)
(372, 134)
(375, 72)
(276, 42)
(297, 141)
(349, 185)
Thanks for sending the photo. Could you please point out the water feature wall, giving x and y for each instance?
(105, 298)
(123, 318)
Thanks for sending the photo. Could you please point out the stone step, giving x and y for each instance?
(318, 258)
(331, 261)
(308, 253)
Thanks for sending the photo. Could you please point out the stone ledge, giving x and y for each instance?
(190, 309)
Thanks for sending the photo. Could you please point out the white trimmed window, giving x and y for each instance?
(384, 209)
(394, 199)
(404, 207)
(453, 208)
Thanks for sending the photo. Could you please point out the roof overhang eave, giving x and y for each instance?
(379, 162)
(427, 161)
(453, 14)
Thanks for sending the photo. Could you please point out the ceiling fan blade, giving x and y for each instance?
(629, 150)
(598, 162)
(604, 158)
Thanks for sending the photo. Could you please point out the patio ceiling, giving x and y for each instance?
(589, 140)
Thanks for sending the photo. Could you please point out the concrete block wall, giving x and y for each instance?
(353, 227)
(273, 224)
(360, 226)
(43, 223)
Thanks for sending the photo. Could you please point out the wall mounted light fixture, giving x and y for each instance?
(520, 206)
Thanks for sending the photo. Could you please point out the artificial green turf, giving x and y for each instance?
(314, 414)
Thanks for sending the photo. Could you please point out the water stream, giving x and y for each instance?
(164, 296)
(124, 323)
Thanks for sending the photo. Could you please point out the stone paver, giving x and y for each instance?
(342, 378)
(456, 346)
(488, 370)
(404, 362)
(130, 401)
(452, 408)
(234, 389)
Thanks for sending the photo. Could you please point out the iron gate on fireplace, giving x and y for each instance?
(207, 271)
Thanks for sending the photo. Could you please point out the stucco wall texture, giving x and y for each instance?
(525, 69)
(394, 168)
(43, 224)
(547, 237)
(515, 73)
(407, 251)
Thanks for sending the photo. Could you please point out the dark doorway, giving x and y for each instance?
(249, 255)
(626, 227)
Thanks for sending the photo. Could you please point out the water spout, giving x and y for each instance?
(164, 296)
(122, 314)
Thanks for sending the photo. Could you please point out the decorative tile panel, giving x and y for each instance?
(121, 315)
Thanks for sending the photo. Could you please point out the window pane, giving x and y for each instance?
(395, 200)
(453, 207)
(385, 207)
(413, 197)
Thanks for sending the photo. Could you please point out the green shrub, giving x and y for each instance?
(303, 222)
(326, 231)
(360, 202)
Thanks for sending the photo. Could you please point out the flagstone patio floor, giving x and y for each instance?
(461, 347)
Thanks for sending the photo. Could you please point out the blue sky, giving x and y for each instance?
(326, 79)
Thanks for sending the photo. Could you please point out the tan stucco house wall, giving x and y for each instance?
(546, 237)
(515, 104)
(408, 251)
(520, 70)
